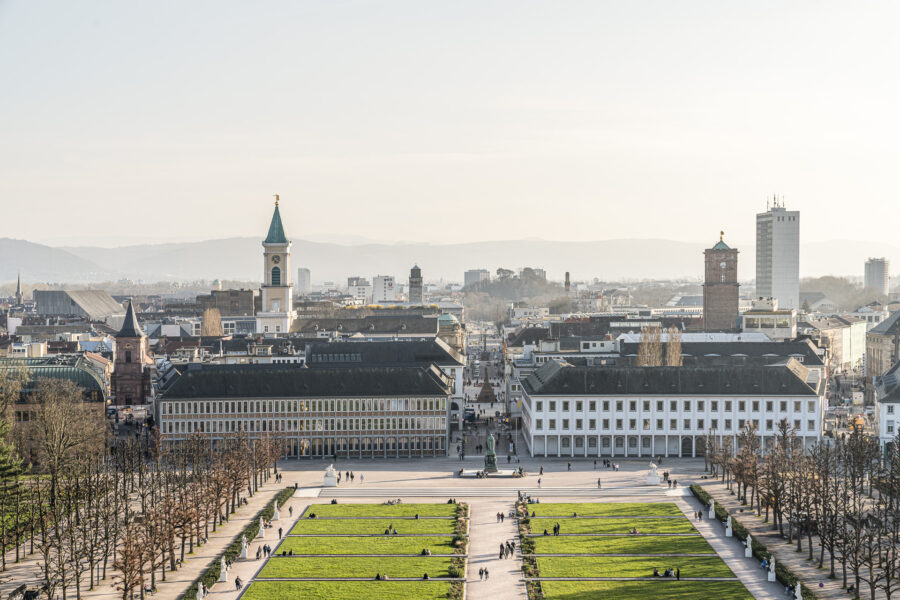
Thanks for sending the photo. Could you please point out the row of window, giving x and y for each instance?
(313, 425)
(282, 406)
(686, 405)
(687, 424)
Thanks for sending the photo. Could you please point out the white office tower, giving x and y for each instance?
(878, 275)
(384, 288)
(304, 283)
(778, 255)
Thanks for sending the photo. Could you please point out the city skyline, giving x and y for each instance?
(499, 111)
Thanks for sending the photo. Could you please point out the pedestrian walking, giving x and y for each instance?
(539, 482)
(360, 477)
(595, 465)
(569, 466)
(481, 574)
(542, 470)
(486, 574)
(291, 511)
(598, 483)
(678, 573)
(501, 517)
(280, 530)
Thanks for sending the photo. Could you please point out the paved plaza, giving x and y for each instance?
(435, 481)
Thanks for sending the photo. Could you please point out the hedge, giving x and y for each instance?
(782, 573)
(211, 576)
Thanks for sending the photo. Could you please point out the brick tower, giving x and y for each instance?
(131, 378)
(720, 288)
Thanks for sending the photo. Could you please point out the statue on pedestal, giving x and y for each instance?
(223, 571)
(490, 458)
(653, 474)
(262, 529)
(712, 509)
(330, 477)
(244, 546)
(728, 530)
(771, 576)
(748, 552)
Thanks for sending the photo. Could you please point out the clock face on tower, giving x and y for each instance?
(722, 265)
(277, 259)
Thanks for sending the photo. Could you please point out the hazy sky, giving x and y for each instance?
(446, 121)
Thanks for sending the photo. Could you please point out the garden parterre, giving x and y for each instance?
(348, 541)
(597, 530)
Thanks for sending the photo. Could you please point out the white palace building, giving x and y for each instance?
(648, 411)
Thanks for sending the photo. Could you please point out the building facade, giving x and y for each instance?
(372, 412)
(766, 316)
(721, 290)
(304, 281)
(277, 294)
(778, 256)
(878, 275)
(384, 288)
(668, 411)
(473, 276)
(416, 288)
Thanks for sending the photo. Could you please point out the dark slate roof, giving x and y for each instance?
(889, 326)
(721, 245)
(558, 378)
(276, 229)
(774, 351)
(71, 367)
(130, 327)
(396, 353)
(294, 381)
(528, 335)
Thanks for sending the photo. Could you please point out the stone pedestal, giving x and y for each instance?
(748, 552)
(771, 576)
(262, 529)
(652, 479)
(711, 510)
(276, 515)
(330, 477)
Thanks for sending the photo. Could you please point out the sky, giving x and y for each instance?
(446, 121)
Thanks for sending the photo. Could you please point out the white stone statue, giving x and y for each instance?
(262, 529)
(330, 477)
(748, 551)
(244, 546)
(798, 591)
(223, 571)
(199, 594)
(653, 475)
(728, 531)
(771, 576)
(712, 509)
(275, 514)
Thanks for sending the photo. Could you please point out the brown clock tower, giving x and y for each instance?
(133, 368)
(720, 288)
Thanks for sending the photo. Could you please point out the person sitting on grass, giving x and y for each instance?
(424, 551)
(545, 532)
(655, 572)
(425, 576)
(377, 576)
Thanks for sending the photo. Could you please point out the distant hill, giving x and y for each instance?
(241, 258)
(44, 263)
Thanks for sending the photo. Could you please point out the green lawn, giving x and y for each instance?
(349, 590)
(664, 589)
(606, 509)
(615, 566)
(366, 545)
(621, 545)
(382, 510)
(349, 566)
(613, 525)
(373, 526)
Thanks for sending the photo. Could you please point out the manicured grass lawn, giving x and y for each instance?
(615, 566)
(349, 590)
(621, 545)
(349, 566)
(366, 545)
(607, 509)
(382, 510)
(613, 525)
(373, 526)
(664, 589)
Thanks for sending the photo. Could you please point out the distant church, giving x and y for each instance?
(721, 288)
(277, 294)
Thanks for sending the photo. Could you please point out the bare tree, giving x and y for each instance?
(211, 322)
(650, 348)
(673, 347)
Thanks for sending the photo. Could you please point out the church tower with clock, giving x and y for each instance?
(721, 288)
(277, 294)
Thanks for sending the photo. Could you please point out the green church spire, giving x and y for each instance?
(276, 229)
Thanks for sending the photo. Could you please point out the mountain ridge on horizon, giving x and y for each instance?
(239, 258)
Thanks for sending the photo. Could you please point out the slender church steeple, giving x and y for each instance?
(276, 294)
(20, 298)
